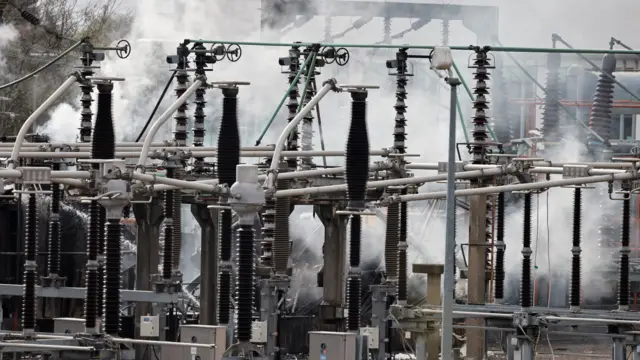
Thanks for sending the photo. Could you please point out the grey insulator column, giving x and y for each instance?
(182, 78)
(281, 237)
(551, 114)
(480, 133)
(402, 254)
(86, 87)
(306, 127)
(600, 118)
(292, 105)
(30, 265)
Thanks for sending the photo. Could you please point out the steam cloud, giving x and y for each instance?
(158, 29)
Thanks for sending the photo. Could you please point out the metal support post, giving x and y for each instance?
(618, 351)
(522, 348)
(270, 312)
(381, 297)
(208, 221)
(635, 349)
(449, 260)
(335, 250)
(148, 220)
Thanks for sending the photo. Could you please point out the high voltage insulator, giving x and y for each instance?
(499, 270)
(86, 70)
(600, 118)
(104, 137)
(244, 282)
(623, 282)
(227, 161)
(176, 246)
(168, 229)
(391, 239)
(30, 265)
(551, 113)
(357, 174)
(54, 228)
(525, 280)
(112, 278)
(576, 268)
(488, 230)
(268, 224)
(182, 78)
(481, 107)
(503, 122)
(293, 61)
(386, 30)
(92, 295)
(199, 115)
(399, 131)
(306, 127)
(353, 279)
(102, 222)
(102, 147)
(357, 152)
(446, 30)
(402, 252)
(281, 240)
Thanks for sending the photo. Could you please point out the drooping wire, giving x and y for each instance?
(43, 67)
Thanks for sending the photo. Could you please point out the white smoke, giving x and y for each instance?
(157, 30)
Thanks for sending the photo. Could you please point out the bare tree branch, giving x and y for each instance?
(101, 21)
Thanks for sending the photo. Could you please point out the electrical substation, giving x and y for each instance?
(91, 232)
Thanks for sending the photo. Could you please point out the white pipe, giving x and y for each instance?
(469, 313)
(519, 187)
(136, 153)
(393, 182)
(608, 165)
(182, 184)
(131, 147)
(58, 174)
(10, 173)
(279, 149)
(15, 153)
(285, 175)
(45, 346)
(559, 170)
(592, 320)
(161, 120)
(154, 342)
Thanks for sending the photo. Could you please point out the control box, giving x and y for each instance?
(372, 334)
(149, 326)
(326, 345)
(199, 334)
(259, 332)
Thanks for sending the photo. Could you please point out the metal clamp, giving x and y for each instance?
(107, 195)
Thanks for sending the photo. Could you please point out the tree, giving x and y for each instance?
(42, 30)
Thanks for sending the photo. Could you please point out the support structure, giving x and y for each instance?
(333, 273)
(209, 255)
